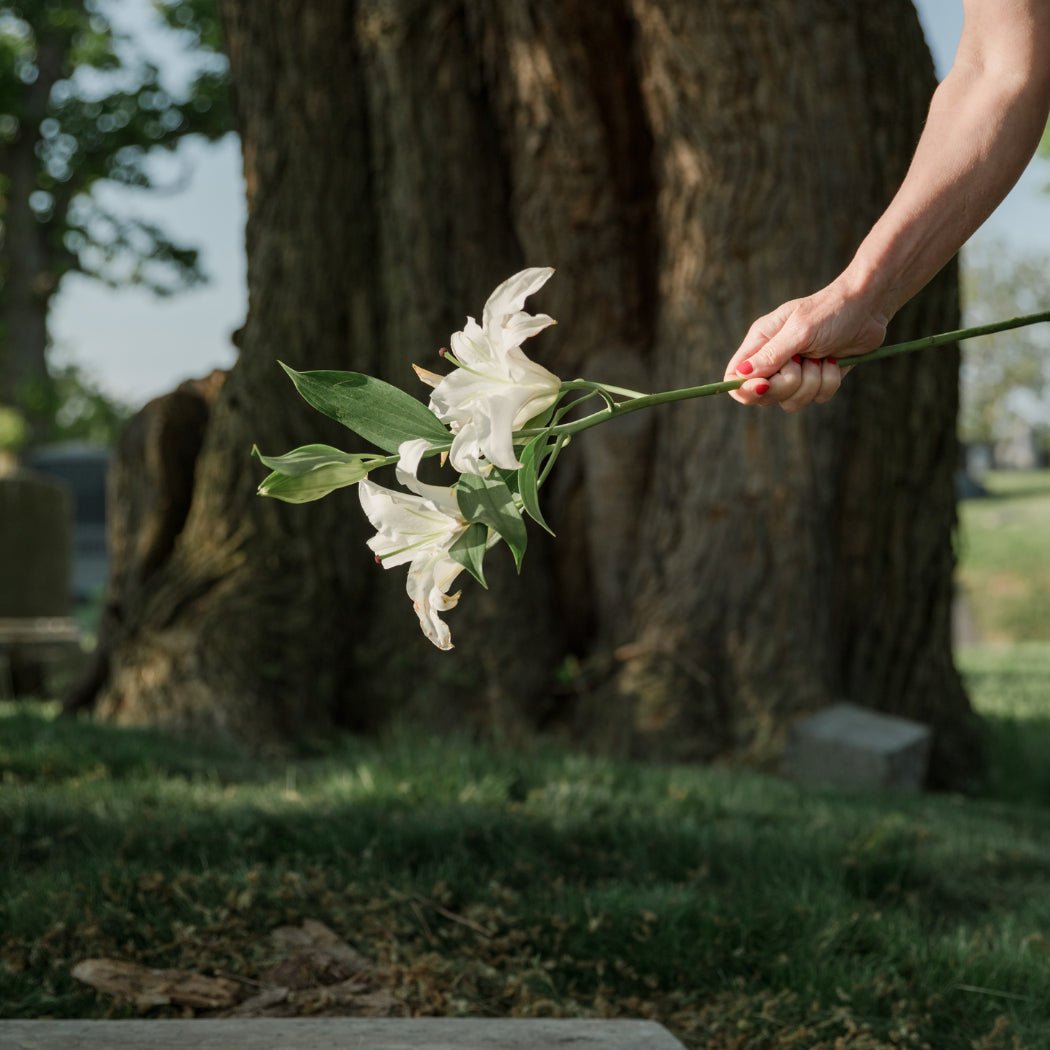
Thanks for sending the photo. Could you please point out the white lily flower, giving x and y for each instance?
(419, 529)
(497, 389)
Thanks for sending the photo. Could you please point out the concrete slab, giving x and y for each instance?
(425, 1033)
(853, 747)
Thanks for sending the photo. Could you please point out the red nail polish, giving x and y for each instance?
(762, 388)
(832, 361)
(746, 368)
(797, 359)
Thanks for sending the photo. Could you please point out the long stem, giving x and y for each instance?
(587, 384)
(686, 393)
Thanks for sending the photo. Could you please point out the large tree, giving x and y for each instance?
(686, 166)
(80, 105)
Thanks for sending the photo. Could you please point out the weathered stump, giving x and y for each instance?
(149, 489)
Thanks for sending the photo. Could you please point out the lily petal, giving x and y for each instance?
(499, 446)
(471, 347)
(510, 296)
(428, 582)
(519, 327)
(409, 454)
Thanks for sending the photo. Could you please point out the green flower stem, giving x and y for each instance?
(686, 393)
(559, 444)
(597, 388)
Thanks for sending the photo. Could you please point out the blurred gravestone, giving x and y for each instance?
(852, 747)
(35, 546)
(82, 468)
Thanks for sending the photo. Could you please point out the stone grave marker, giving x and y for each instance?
(35, 567)
(426, 1033)
(35, 546)
(853, 747)
(81, 467)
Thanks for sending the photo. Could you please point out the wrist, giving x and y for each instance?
(868, 289)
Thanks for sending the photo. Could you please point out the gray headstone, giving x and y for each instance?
(82, 467)
(337, 1034)
(35, 546)
(853, 747)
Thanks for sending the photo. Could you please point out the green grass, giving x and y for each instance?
(1010, 688)
(1004, 554)
(737, 909)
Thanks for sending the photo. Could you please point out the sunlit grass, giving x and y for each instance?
(717, 901)
(1004, 556)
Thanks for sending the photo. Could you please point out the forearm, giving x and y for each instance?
(980, 135)
(984, 124)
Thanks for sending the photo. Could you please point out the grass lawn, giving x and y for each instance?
(738, 910)
(1004, 556)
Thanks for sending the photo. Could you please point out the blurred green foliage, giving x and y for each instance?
(76, 408)
(93, 108)
(13, 430)
(996, 370)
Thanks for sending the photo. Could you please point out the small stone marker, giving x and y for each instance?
(35, 531)
(35, 546)
(853, 747)
(427, 1033)
(81, 467)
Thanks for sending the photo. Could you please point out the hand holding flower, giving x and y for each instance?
(790, 356)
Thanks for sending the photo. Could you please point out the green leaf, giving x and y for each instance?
(489, 501)
(303, 488)
(469, 551)
(531, 459)
(508, 477)
(376, 411)
(309, 457)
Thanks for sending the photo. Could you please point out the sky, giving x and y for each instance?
(137, 346)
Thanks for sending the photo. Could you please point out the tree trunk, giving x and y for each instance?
(686, 166)
(27, 279)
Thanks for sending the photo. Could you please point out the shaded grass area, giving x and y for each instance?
(1010, 688)
(1004, 556)
(738, 910)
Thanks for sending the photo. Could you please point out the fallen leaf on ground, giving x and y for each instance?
(146, 988)
(317, 956)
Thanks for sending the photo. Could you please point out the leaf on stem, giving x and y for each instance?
(376, 411)
(469, 551)
(487, 500)
(309, 457)
(528, 485)
(319, 482)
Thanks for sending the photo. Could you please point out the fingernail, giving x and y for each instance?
(762, 388)
(797, 359)
(832, 361)
(746, 368)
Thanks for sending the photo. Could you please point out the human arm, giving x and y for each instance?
(984, 124)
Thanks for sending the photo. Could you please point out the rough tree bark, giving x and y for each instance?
(686, 166)
(27, 281)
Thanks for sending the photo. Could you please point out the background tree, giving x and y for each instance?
(1005, 378)
(79, 105)
(686, 166)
